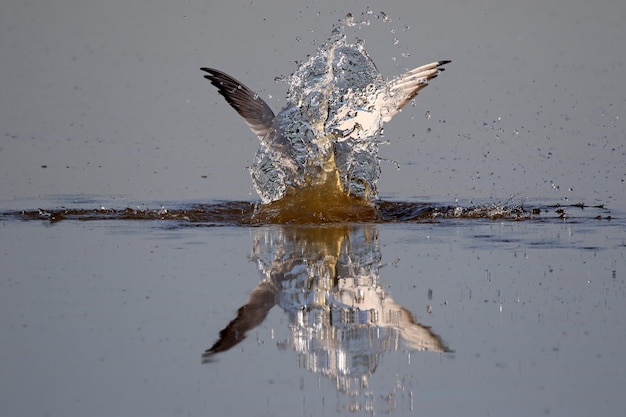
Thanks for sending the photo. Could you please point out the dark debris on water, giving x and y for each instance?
(239, 213)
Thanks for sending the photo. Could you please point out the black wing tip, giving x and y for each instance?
(213, 73)
(217, 76)
(220, 79)
(439, 66)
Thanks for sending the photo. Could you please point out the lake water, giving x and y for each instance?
(133, 282)
(112, 316)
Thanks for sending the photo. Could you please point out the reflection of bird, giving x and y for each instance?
(248, 317)
(327, 281)
(325, 137)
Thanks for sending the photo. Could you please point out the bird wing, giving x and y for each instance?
(405, 87)
(257, 114)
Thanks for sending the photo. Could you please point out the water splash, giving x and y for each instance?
(328, 132)
(326, 137)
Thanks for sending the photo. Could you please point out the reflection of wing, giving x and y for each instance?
(248, 317)
(419, 337)
(384, 313)
(405, 87)
(249, 105)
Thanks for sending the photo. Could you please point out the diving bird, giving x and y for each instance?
(325, 137)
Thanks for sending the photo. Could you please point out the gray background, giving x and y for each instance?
(111, 317)
(108, 96)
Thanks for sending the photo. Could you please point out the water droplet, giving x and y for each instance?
(427, 115)
(349, 20)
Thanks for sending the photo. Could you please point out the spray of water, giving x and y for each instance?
(321, 150)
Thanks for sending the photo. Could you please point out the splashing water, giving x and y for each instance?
(331, 124)
(321, 150)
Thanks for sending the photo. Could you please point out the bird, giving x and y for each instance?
(323, 143)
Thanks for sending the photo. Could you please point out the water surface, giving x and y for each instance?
(188, 309)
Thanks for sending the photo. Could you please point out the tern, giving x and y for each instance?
(324, 139)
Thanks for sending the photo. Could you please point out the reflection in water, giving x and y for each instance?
(327, 280)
